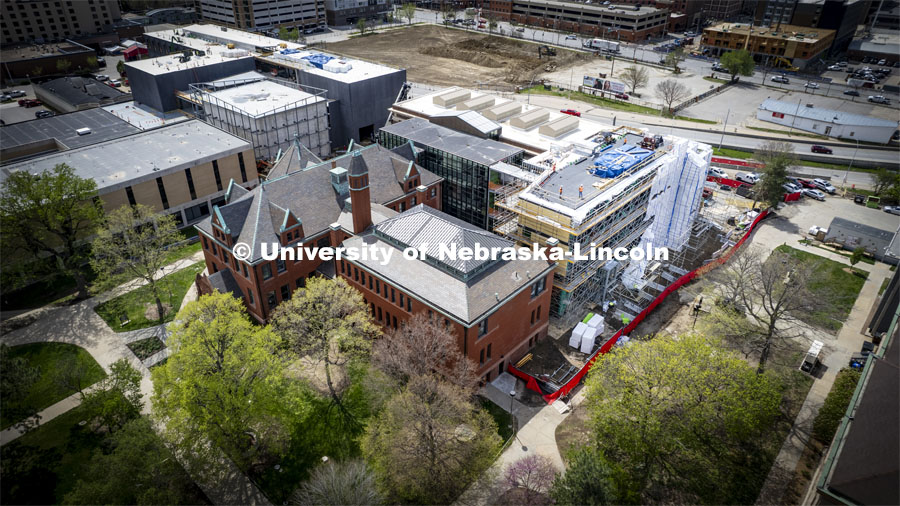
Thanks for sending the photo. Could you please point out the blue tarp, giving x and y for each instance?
(613, 162)
(289, 51)
(318, 60)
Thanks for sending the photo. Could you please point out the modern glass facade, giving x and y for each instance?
(466, 182)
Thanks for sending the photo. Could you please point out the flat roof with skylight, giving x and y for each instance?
(264, 97)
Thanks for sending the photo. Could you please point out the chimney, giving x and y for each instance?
(360, 205)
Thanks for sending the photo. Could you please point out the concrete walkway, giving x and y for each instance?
(836, 356)
(80, 325)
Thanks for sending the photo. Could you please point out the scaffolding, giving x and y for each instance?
(270, 130)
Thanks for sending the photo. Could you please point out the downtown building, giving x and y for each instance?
(255, 15)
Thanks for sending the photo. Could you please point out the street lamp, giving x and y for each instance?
(722, 139)
(512, 397)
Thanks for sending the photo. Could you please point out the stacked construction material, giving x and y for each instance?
(589, 336)
(577, 334)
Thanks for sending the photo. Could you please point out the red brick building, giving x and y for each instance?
(309, 202)
(498, 309)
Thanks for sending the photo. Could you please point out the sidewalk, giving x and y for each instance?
(78, 324)
(838, 351)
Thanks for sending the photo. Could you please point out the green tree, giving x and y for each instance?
(294, 34)
(223, 383)
(408, 11)
(132, 244)
(63, 66)
(328, 323)
(778, 157)
(92, 62)
(684, 419)
(588, 480)
(430, 443)
(117, 398)
(737, 63)
(139, 469)
(835, 406)
(348, 483)
(120, 67)
(49, 215)
(16, 381)
(361, 26)
(635, 77)
(858, 254)
(674, 58)
(884, 180)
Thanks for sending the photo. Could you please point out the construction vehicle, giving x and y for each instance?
(546, 50)
(785, 64)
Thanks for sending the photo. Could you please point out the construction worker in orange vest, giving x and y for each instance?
(581, 191)
(560, 190)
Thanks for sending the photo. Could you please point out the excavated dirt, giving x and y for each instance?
(445, 56)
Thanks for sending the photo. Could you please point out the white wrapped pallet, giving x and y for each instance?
(596, 322)
(588, 339)
(577, 333)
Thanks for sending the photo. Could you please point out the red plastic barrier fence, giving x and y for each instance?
(724, 180)
(790, 197)
(531, 382)
(739, 163)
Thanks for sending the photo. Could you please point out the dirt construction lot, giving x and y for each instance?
(450, 57)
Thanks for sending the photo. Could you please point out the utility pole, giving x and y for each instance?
(851, 162)
(791, 130)
(722, 139)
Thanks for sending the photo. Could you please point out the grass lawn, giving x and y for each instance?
(146, 348)
(47, 391)
(607, 103)
(864, 259)
(747, 155)
(884, 285)
(42, 466)
(500, 416)
(715, 80)
(134, 303)
(831, 276)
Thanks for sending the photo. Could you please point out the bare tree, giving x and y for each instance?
(671, 92)
(423, 347)
(533, 475)
(408, 11)
(764, 300)
(635, 77)
(345, 483)
(448, 11)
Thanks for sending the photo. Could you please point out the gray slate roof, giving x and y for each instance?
(423, 225)
(851, 234)
(466, 300)
(296, 157)
(255, 216)
(224, 282)
(828, 115)
(424, 133)
(81, 90)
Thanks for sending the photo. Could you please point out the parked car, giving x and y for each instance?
(5, 98)
(115, 83)
(811, 85)
(718, 67)
(879, 99)
(101, 62)
(43, 114)
(780, 79)
(29, 102)
(824, 186)
(571, 37)
(882, 61)
(571, 112)
(621, 96)
(892, 210)
(520, 30)
(725, 188)
(816, 194)
(747, 177)
(805, 183)
(834, 67)
(820, 149)
(716, 172)
(842, 64)
(790, 188)
(707, 193)
(101, 77)
(14, 93)
(852, 93)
